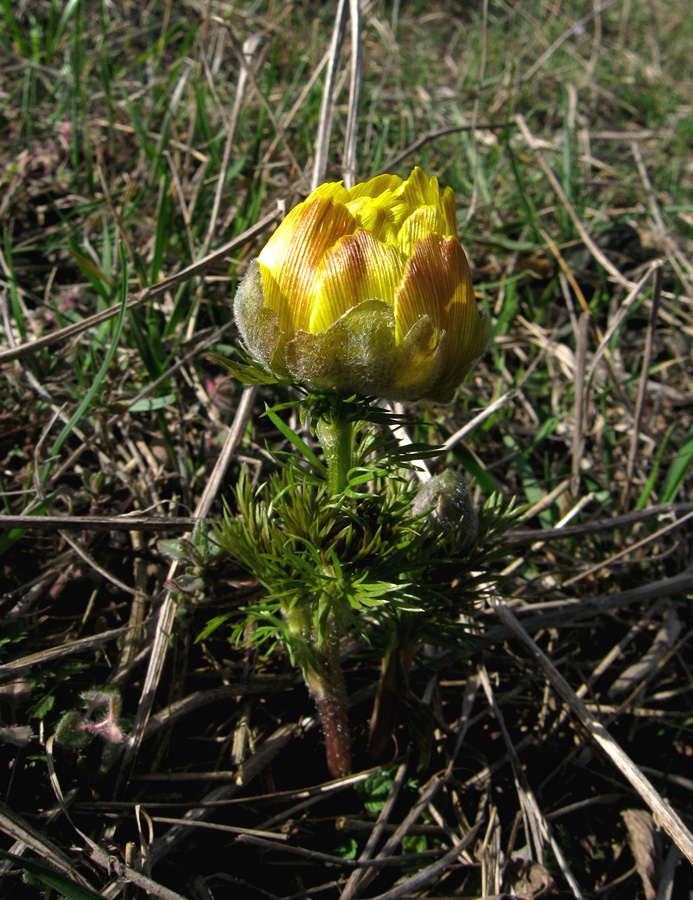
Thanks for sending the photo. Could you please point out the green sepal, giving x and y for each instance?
(256, 322)
(247, 372)
(358, 354)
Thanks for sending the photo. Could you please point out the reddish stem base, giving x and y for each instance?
(335, 727)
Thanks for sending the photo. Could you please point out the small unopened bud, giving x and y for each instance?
(70, 733)
(447, 499)
(75, 729)
(108, 703)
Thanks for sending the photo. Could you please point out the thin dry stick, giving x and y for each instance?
(322, 142)
(122, 231)
(416, 145)
(548, 171)
(627, 551)
(565, 269)
(100, 523)
(43, 656)
(168, 608)
(474, 423)
(596, 44)
(193, 702)
(64, 334)
(249, 48)
(623, 24)
(314, 796)
(596, 252)
(489, 856)
(612, 524)
(574, 511)
(647, 360)
(108, 124)
(349, 167)
(238, 50)
(26, 836)
(288, 118)
(174, 367)
(58, 411)
(676, 257)
(182, 201)
(621, 315)
(420, 465)
(104, 573)
(537, 829)
(424, 876)
(427, 794)
(475, 115)
(580, 401)
(567, 612)
(249, 770)
(664, 816)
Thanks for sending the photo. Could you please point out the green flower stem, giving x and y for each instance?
(323, 674)
(337, 439)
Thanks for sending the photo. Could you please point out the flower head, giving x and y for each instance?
(366, 291)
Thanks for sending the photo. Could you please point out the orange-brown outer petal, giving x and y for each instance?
(437, 282)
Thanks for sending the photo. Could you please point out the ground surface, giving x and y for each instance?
(133, 144)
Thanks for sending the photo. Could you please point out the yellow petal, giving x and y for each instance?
(372, 205)
(426, 220)
(449, 211)
(417, 191)
(358, 268)
(290, 260)
(332, 190)
(375, 186)
(376, 216)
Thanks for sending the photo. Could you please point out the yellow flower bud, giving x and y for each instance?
(366, 291)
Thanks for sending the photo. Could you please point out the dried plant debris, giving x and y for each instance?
(646, 847)
(147, 153)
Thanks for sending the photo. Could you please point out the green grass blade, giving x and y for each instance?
(652, 477)
(164, 216)
(530, 209)
(67, 13)
(534, 492)
(298, 442)
(53, 878)
(108, 358)
(14, 29)
(678, 468)
(474, 468)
